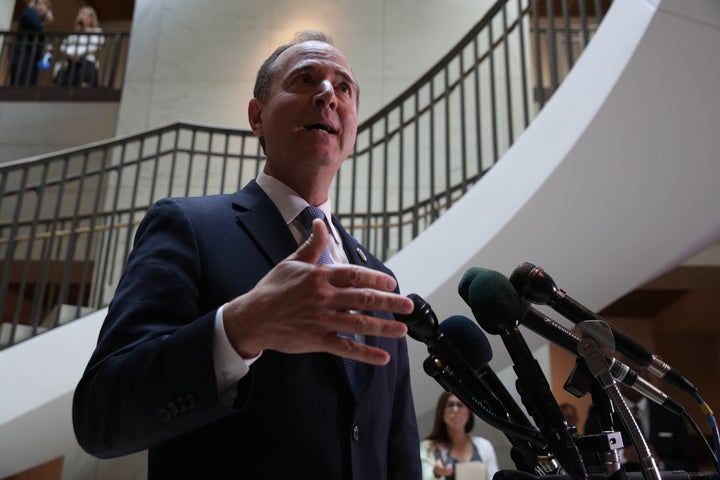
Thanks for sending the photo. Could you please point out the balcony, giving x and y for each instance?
(42, 73)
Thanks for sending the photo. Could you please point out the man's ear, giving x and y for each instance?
(254, 111)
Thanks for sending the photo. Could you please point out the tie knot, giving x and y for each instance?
(307, 216)
(305, 221)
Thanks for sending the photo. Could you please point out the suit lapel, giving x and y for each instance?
(258, 216)
(358, 255)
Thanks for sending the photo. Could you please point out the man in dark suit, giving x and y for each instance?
(221, 352)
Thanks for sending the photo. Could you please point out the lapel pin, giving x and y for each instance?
(362, 255)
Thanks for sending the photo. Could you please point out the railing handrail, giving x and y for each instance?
(99, 79)
(435, 69)
(120, 140)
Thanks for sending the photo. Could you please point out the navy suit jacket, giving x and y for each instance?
(150, 383)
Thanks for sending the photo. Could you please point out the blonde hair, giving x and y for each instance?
(95, 23)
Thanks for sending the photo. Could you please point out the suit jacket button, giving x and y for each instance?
(181, 404)
(356, 433)
(164, 415)
(190, 399)
(172, 408)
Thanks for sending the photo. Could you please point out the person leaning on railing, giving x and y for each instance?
(80, 66)
(30, 43)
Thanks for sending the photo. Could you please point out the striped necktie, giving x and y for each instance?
(305, 219)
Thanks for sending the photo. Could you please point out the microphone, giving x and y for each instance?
(498, 308)
(448, 367)
(561, 336)
(472, 343)
(474, 346)
(536, 286)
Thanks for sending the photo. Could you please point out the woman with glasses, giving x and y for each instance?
(450, 452)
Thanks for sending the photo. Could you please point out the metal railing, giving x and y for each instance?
(67, 219)
(62, 65)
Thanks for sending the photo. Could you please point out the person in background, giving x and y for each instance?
(226, 351)
(30, 43)
(80, 67)
(450, 442)
(570, 413)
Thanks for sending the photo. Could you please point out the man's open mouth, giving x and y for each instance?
(320, 126)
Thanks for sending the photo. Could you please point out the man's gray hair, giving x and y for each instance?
(267, 69)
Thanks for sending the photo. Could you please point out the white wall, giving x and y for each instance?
(38, 373)
(35, 128)
(197, 60)
(6, 11)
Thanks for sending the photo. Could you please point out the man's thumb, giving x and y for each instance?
(313, 247)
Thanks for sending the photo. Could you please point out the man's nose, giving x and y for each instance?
(325, 94)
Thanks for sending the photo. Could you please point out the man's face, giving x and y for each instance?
(309, 120)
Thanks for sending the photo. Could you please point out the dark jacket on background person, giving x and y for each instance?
(28, 49)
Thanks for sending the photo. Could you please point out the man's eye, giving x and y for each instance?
(303, 78)
(345, 88)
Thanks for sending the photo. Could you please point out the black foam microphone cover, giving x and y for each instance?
(466, 280)
(494, 302)
(468, 339)
(533, 283)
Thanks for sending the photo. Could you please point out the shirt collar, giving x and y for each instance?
(289, 202)
(641, 404)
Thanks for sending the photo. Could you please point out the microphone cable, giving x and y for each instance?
(712, 423)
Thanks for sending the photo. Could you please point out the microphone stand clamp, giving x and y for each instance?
(597, 342)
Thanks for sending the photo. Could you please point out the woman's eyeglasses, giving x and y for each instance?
(452, 405)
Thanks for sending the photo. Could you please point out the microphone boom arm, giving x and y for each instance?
(594, 333)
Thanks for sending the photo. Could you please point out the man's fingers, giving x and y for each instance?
(364, 325)
(364, 299)
(360, 277)
(348, 348)
(360, 324)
